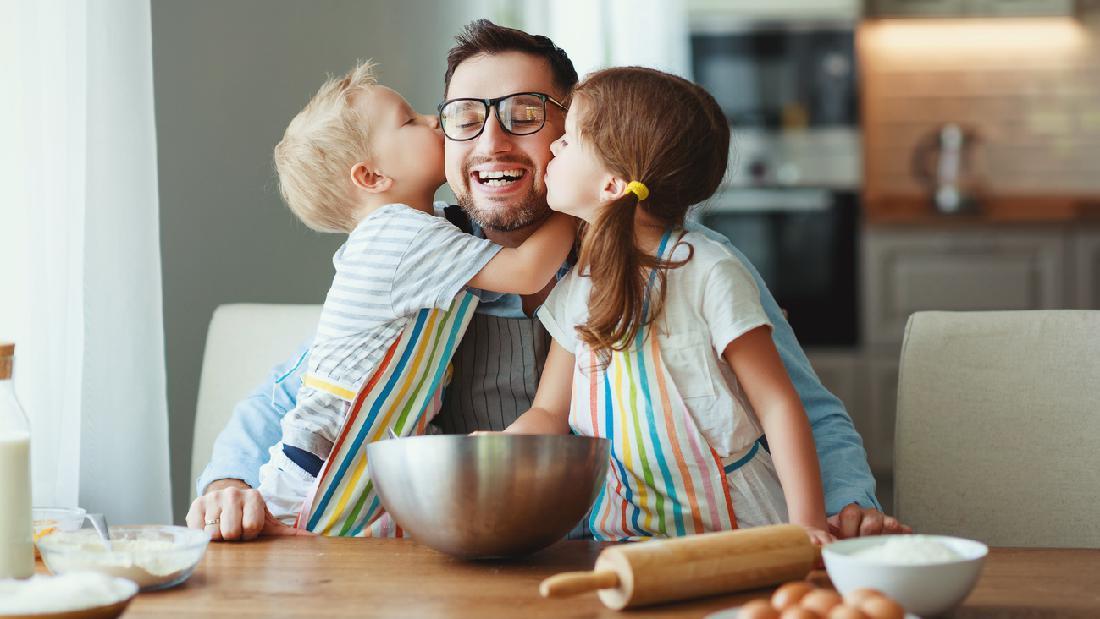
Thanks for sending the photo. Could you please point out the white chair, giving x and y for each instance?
(998, 427)
(243, 343)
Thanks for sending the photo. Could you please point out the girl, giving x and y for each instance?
(660, 342)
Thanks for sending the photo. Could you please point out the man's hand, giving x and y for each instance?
(856, 521)
(231, 510)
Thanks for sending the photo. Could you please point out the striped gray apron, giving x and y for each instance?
(496, 371)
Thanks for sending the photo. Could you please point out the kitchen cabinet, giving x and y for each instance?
(1086, 268)
(914, 8)
(841, 371)
(907, 270)
(969, 8)
(882, 396)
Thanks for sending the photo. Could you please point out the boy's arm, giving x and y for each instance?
(549, 413)
(242, 447)
(845, 474)
(755, 361)
(528, 268)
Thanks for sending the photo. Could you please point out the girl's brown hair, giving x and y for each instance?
(670, 135)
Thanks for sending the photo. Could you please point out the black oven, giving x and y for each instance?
(804, 243)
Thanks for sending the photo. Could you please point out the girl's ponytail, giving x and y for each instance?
(608, 255)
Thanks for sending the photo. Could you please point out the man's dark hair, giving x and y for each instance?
(484, 37)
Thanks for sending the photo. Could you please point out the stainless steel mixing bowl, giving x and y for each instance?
(486, 496)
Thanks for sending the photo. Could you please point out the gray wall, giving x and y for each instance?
(228, 76)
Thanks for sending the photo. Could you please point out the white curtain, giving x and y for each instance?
(80, 289)
(607, 33)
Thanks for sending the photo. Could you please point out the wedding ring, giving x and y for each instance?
(213, 522)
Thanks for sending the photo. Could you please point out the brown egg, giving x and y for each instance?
(856, 597)
(846, 612)
(882, 608)
(790, 594)
(820, 601)
(758, 609)
(797, 612)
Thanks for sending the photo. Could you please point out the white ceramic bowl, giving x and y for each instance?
(154, 557)
(923, 589)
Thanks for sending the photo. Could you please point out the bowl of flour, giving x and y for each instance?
(927, 574)
(154, 557)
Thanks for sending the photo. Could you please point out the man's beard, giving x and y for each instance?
(500, 216)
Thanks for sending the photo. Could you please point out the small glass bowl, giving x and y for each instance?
(47, 520)
(153, 556)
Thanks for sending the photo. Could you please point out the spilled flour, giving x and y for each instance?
(50, 594)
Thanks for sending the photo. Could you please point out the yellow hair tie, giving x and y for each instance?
(637, 189)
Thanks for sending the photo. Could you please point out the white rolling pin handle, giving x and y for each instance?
(573, 583)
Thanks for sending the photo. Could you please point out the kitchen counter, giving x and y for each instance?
(334, 577)
(1030, 210)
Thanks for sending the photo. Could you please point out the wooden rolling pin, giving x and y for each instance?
(666, 570)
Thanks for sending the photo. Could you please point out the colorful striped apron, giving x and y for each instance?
(665, 479)
(403, 394)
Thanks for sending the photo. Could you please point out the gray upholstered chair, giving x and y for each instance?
(998, 428)
(243, 343)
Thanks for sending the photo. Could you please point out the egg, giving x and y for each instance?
(882, 608)
(790, 594)
(846, 612)
(758, 609)
(820, 601)
(797, 612)
(857, 597)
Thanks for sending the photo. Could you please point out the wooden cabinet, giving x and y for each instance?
(980, 267)
(841, 372)
(969, 8)
(906, 271)
(1086, 268)
(882, 397)
(1019, 8)
(914, 8)
(867, 385)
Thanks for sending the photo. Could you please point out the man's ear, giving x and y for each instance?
(368, 179)
(613, 189)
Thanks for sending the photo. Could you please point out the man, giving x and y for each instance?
(497, 366)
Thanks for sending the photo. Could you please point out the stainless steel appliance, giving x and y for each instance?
(791, 202)
(779, 75)
(789, 89)
(804, 242)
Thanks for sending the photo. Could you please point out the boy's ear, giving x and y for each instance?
(368, 179)
(613, 189)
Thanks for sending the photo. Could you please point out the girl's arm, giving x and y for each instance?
(755, 360)
(549, 413)
(528, 268)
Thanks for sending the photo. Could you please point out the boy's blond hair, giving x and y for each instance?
(319, 148)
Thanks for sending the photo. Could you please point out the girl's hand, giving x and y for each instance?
(819, 536)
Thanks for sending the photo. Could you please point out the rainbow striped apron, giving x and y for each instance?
(664, 480)
(403, 394)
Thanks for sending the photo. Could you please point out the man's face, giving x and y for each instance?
(512, 205)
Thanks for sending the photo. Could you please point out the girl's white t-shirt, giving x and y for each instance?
(710, 301)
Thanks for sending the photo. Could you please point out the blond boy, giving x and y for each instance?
(358, 160)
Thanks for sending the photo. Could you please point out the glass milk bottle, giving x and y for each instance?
(16, 537)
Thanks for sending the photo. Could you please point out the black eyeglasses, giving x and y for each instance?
(521, 113)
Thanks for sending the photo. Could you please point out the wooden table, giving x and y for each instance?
(332, 577)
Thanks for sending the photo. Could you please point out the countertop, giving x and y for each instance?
(340, 577)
